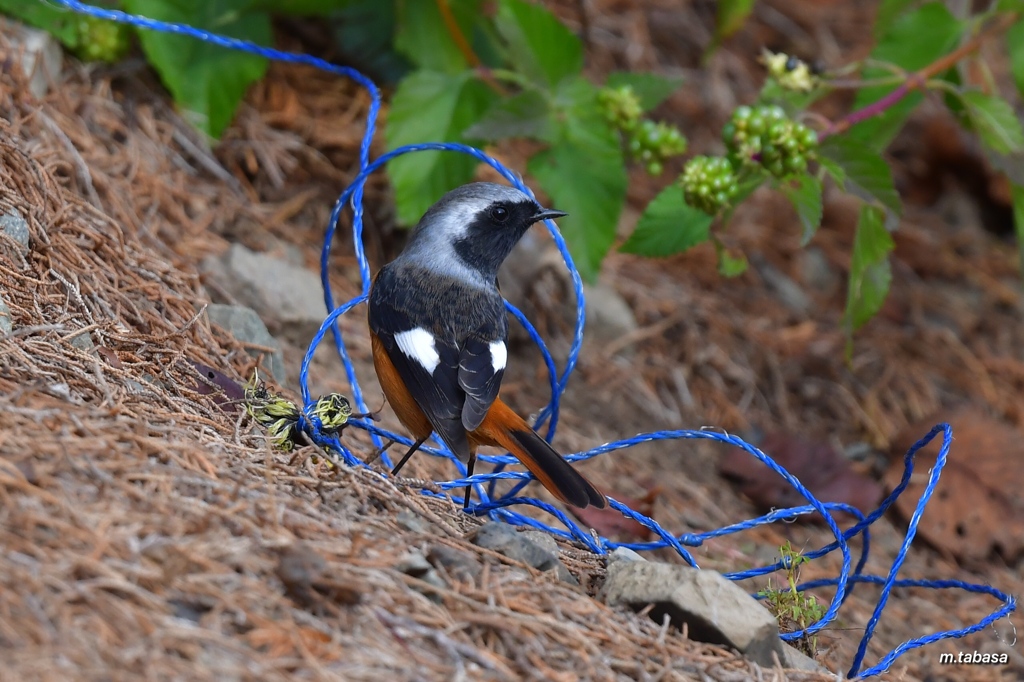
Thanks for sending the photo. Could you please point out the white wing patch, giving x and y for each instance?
(498, 355)
(418, 345)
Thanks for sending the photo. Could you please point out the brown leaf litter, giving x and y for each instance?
(146, 534)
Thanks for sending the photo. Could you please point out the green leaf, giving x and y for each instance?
(432, 107)
(206, 81)
(668, 226)
(527, 114)
(298, 8)
(425, 38)
(835, 170)
(792, 101)
(1015, 46)
(805, 195)
(731, 15)
(364, 34)
(870, 271)
(913, 41)
(58, 22)
(540, 46)
(584, 173)
(888, 12)
(728, 264)
(864, 167)
(996, 122)
(650, 88)
(1017, 192)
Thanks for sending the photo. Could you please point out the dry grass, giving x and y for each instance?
(146, 534)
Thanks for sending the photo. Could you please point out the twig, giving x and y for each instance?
(919, 79)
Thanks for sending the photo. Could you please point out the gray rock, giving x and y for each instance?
(541, 554)
(84, 342)
(795, 659)
(817, 272)
(14, 228)
(246, 326)
(457, 563)
(789, 293)
(417, 566)
(411, 522)
(623, 554)
(6, 323)
(714, 609)
(41, 56)
(608, 315)
(288, 297)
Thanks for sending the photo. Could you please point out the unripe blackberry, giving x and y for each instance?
(708, 183)
(621, 107)
(102, 40)
(765, 136)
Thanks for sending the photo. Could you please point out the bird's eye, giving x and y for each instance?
(499, 214)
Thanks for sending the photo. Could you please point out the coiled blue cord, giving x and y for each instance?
(499, 508)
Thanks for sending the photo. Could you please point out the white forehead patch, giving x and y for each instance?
(498, 355)
(418, 345)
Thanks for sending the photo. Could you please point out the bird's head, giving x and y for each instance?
(473, 228)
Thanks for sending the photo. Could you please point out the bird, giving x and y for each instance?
(439, 333)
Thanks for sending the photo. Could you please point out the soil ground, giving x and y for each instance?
(146, 533)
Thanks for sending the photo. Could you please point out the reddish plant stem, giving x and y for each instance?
(919, 79)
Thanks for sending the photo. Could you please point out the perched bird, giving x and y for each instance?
(438, 327)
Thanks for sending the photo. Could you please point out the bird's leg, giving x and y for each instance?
(406, 456)
(470, 465)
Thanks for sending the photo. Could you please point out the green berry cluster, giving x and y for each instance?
(621, 107)
(653, 143)
(765, 136)
(709, 183)
(648, 142)
(100, 40)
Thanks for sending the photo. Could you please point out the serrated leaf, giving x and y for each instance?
(432, 107)
(1014, 39)
(206, 81)
(870, 271)
(730, 17)
(527, 114)
(805, 195)
(864, 167)
(424, 37)
(913, 41)
(1017, 192)
(668, 226)
(650, 88)
(834, 170)
(995, 121)
(584, 173)
(540, 46)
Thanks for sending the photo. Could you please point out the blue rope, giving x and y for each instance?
(498, 507)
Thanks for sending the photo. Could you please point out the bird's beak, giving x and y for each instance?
(547, 214)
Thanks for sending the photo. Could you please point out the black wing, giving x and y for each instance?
(481, 366)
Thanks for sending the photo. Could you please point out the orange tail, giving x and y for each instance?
(504, 428)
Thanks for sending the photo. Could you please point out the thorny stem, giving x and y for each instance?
(919, 80)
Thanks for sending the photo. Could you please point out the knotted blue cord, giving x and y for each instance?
(499, 508)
